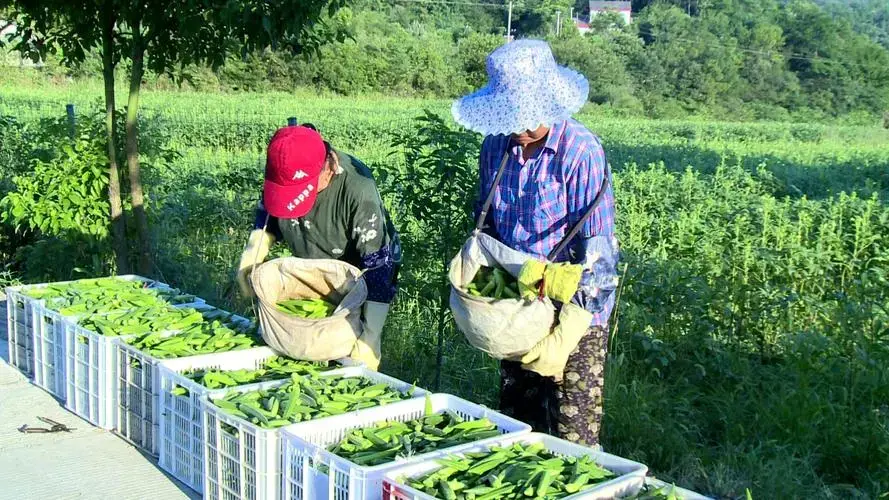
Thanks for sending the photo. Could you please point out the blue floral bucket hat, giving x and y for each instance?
(526, 89)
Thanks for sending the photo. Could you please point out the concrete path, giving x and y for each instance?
(84, 464)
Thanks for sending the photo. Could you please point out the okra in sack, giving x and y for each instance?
(506, 327)
(503, 327)
(318, 338)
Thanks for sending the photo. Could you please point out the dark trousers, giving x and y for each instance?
(571, 409)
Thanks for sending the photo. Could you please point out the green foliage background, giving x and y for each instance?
(753, 326)
(744, 59)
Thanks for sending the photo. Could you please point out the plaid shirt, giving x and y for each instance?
(540, 200)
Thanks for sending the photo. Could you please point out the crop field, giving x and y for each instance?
(751, 347)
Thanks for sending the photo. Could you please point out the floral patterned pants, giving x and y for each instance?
(571, 409)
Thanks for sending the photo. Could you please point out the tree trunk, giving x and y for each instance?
(118, 224)
(133, 151)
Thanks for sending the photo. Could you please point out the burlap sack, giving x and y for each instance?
(503, 328)
(310, 339)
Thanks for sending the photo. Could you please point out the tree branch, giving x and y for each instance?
(148, 36)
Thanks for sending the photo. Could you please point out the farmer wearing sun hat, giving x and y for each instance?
(325, 205)
(551, 179)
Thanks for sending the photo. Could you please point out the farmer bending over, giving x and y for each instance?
(554, 171)
(324, 204)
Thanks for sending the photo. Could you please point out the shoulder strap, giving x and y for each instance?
(576, 229)
(484, 211)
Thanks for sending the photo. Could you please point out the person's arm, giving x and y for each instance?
(264, 220)
(379, 250)
(595, 247)
(264, 234)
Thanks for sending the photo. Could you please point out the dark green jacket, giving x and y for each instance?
(348, 222)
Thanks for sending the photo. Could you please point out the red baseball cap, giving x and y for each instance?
(294, 161)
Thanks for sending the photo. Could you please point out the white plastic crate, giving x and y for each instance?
(181, 426)
(679, 492)
(136, 410)
(91, 387)
(90, 375)
(38, 344)
(51, 345)
(629, 480)
(244, 461)
(181, 430)
(150, 283)
(305, 450)
(49, 351)
(19, 322)
(138, 394)
(18, 293)
(21, 311)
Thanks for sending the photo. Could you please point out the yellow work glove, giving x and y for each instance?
(560, 280)
(258, 245)
(367, 347)
(529, 278)
(550, 355)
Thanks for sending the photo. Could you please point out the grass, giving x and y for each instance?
(753, 329)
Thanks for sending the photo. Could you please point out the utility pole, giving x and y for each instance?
(509, 23)
(558, 22)
(572, 13)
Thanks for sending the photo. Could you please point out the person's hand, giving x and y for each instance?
(560, 280)
(367, 347)
(529, 278)
(258, 245)
(550, 355)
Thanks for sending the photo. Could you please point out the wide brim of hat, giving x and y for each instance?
(526, 106)
(283, 201)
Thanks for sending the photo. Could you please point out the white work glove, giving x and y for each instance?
(550, 355)
(258, 245)
(367, 347)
